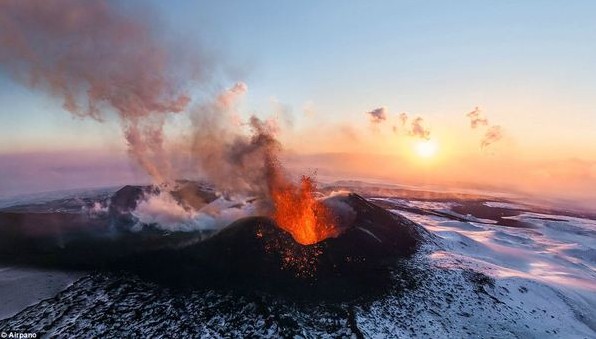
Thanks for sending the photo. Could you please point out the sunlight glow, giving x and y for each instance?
(426, 148)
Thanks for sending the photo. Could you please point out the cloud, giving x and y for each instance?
(418, 130)
(492, 135)
(476, 118)
(403, 118)
(378, 115)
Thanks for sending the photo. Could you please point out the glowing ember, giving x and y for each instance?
(298, 212)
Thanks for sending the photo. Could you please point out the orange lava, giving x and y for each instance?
(298, 212)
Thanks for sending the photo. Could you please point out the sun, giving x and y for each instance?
(426, 148)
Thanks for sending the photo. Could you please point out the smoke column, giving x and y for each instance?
(96, 60)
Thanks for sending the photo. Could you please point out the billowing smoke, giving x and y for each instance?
(476, 118)
(378, 115)
(232, 160)
(493, 134)
(97, 60)
(238, 158)
(165, 212)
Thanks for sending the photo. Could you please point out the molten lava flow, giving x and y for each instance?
(298, 212)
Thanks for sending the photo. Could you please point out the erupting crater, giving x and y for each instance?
(339, 247)
(299, 213)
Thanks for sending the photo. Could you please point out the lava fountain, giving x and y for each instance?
(298, 212)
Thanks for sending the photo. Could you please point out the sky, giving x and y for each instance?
(321, 65)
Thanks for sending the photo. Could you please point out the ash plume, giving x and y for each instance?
(97, 60)
(232, 160)
(378, 115)
(492, 135)
(239, 158)
(476, 118)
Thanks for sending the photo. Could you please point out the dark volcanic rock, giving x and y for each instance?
(193, 194)
(22, 234)
(124, 201)
(254, 253)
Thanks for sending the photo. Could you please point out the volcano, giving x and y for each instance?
(255, 252)
(250, 253)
